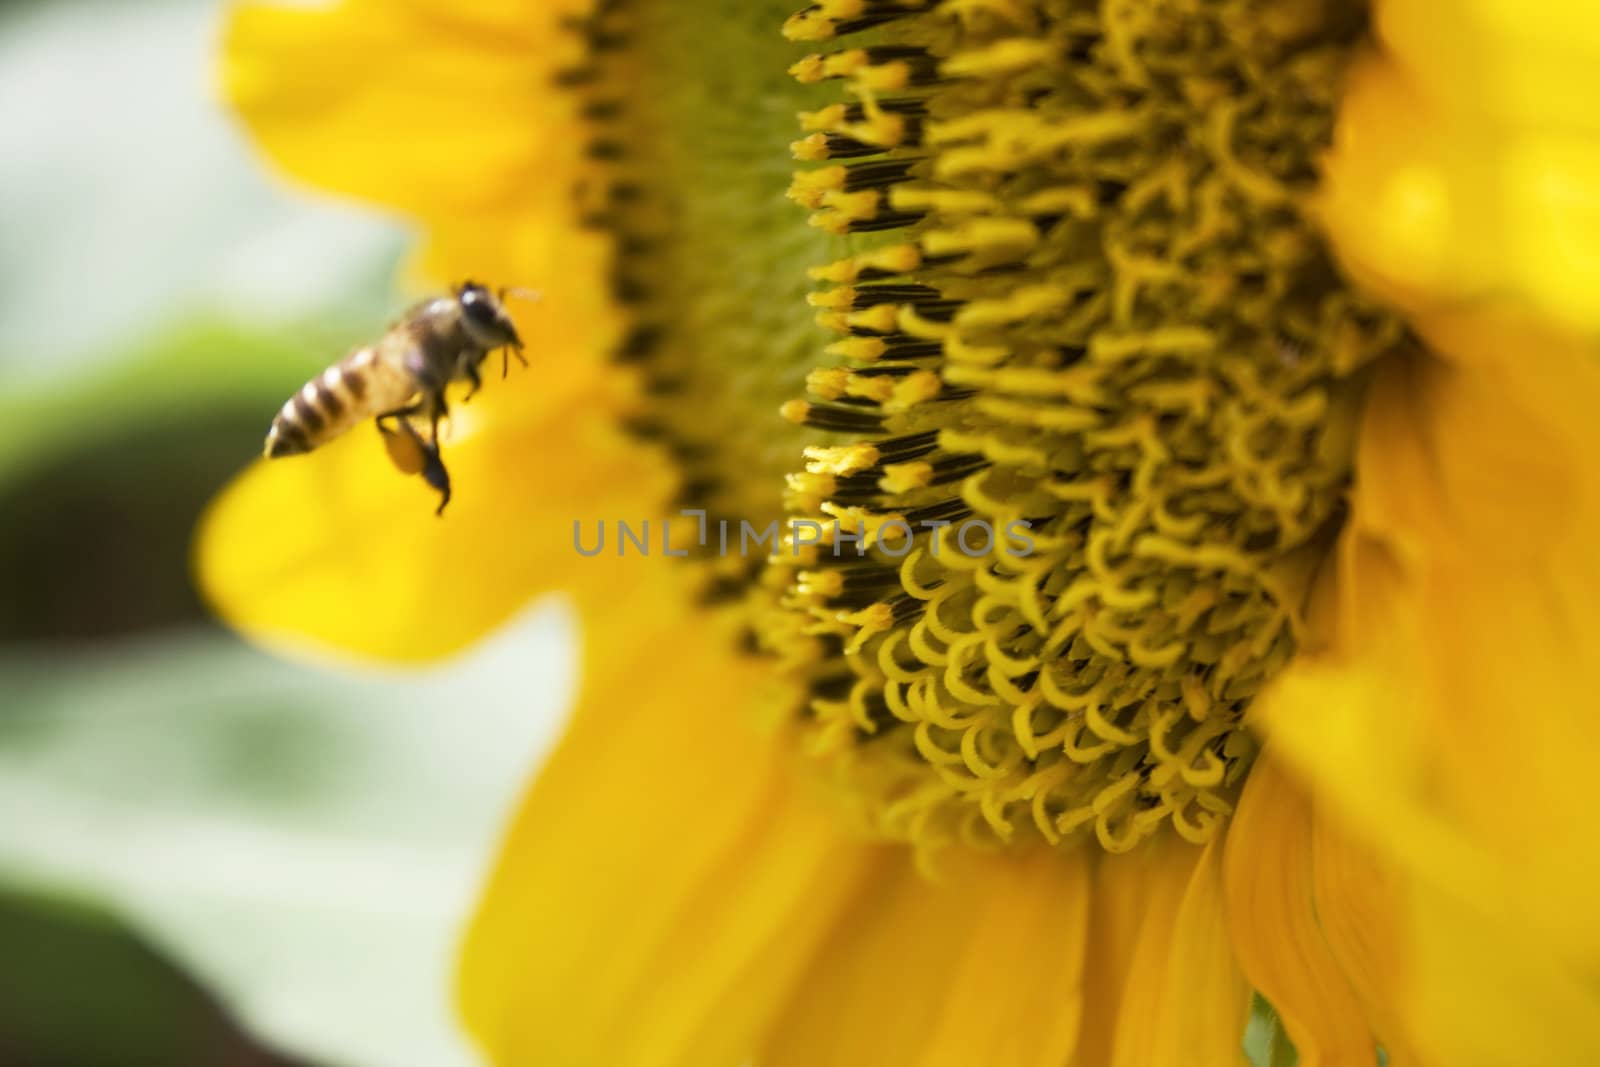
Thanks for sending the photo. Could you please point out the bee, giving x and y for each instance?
(402, 376)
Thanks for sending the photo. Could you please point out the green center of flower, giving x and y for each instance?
(1086, 427)
(692, 116)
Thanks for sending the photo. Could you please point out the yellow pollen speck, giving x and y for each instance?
(810, 69)
(909, 321)
(880, 390)
(826, 119)
(826, 584)
(806, 491)
(808, 25)
(912, 390)
(1020, 305)
(849, 459)
(862, 349)
(995, 238)
(839, 298)
(1075, 200)
(958, 352)
(869, 621)
(946, 201)
(888, 78)
(905, 477)
(1001, 57)
(839, 10)
(893, 259)
(810, 149)
(810, 187)
(882, 318)
(829, 383)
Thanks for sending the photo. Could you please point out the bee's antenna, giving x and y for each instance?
(505, 359)
(515, 350)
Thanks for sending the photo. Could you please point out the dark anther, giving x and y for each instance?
(877, 174)
(576, 77)
(602, 110)
(869, 296)
(606, 150)
(640, 342)
(843, 419)
(722, 589)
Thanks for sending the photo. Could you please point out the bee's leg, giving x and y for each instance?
(437, 409)
(434, 473)
(469, 367)
(413, 455)
(433, 469)
(397, 413)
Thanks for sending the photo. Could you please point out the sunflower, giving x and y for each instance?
(1190, 404)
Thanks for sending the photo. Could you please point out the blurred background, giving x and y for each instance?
(207, 856)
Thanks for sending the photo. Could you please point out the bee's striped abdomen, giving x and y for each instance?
(351, 390)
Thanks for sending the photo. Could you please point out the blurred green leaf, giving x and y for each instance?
(103, 479)
(196, 367)
(1265, 1042)
(78, 989)
(309, 843)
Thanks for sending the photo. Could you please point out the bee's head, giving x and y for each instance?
(485, 318)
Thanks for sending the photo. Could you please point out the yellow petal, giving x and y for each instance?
(1444, 979)
(1467, 157)
(1185, 1000)
(1451, 713)
(1392, 198)
(1280, 945)
(983, 965)
(664, 881)
(1361, 907)
(1511, 60)
(432, 109)
(1124, 888)
(397, 103)
(337, 550)
(1162, 986)
(572, 318)
(1485, 994)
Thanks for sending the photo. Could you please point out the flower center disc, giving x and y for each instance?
(1086, 425)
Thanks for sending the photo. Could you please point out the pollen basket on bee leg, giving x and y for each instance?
(405, 450)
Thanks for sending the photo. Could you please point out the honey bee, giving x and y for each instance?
(403, 375)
